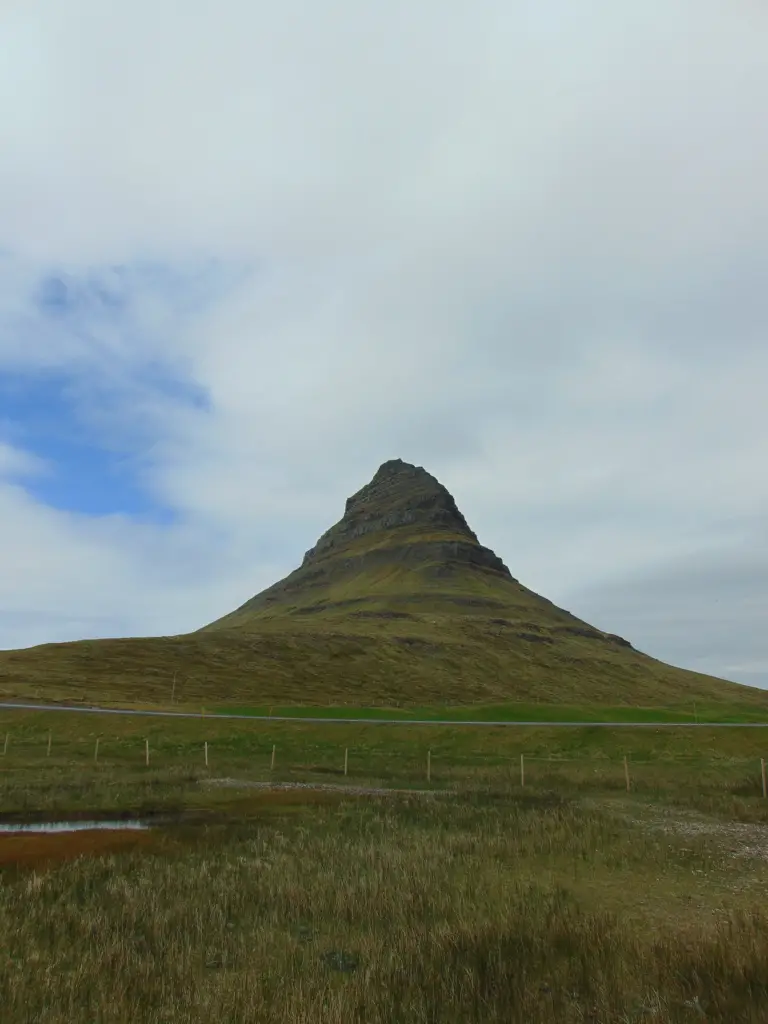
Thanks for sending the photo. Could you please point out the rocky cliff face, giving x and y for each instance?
(402, 496)
(403, 518)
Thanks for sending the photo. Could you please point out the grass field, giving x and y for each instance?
(469, 899)
(690, 761)
(330, 873)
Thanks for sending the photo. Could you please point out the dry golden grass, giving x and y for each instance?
(565, 902)
(481, 909)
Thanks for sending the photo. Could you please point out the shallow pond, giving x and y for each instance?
(55, 827)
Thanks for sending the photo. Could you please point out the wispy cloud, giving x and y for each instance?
(18, 464)
(262, 248)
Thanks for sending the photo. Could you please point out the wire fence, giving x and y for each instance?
(259, 758)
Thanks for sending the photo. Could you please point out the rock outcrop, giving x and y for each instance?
(405, 497)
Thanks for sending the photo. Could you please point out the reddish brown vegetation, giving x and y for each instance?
(35, 850)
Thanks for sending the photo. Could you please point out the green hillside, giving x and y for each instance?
(396, 604)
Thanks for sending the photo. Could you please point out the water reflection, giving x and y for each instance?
(73, 826)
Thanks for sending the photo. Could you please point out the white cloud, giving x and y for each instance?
(67, 575)
(522, 244)
(15, 463)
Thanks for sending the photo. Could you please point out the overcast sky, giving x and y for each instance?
(249, 251)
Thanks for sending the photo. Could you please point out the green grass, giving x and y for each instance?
(321, 667)
(563, 901)
(560, 903)
(405, 631)
(694, 764)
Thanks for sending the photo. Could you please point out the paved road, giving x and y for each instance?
(379, 721)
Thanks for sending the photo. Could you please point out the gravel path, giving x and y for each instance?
(330, 787)
(739, 839)
(736, 838)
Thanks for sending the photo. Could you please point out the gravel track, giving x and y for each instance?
(329, 787)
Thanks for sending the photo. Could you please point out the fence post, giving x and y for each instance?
(272, 762)
(206, 753)
(146, 752)
(346, 759)
(429, 766)
(50, 737)
(96, 752)
(762, 772)
(522, 770)
(626, 772)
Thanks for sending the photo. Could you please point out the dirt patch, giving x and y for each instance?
(535, 638)
(385, 614)
(47, 850)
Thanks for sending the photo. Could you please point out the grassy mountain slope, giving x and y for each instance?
(398, 603)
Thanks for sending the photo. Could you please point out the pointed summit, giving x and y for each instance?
(400, 483)
(403, 527)
(400, 496)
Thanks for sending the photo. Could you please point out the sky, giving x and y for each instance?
(249, 251)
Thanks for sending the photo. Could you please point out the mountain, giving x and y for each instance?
(402, 550)
(397, 603)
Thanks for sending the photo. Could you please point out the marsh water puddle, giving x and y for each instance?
(32, 844)
(30, 840)
(57, 827)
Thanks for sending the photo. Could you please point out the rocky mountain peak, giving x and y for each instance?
(399, 495)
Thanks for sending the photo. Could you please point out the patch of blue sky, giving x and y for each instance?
(81, 472)
(83, 417)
